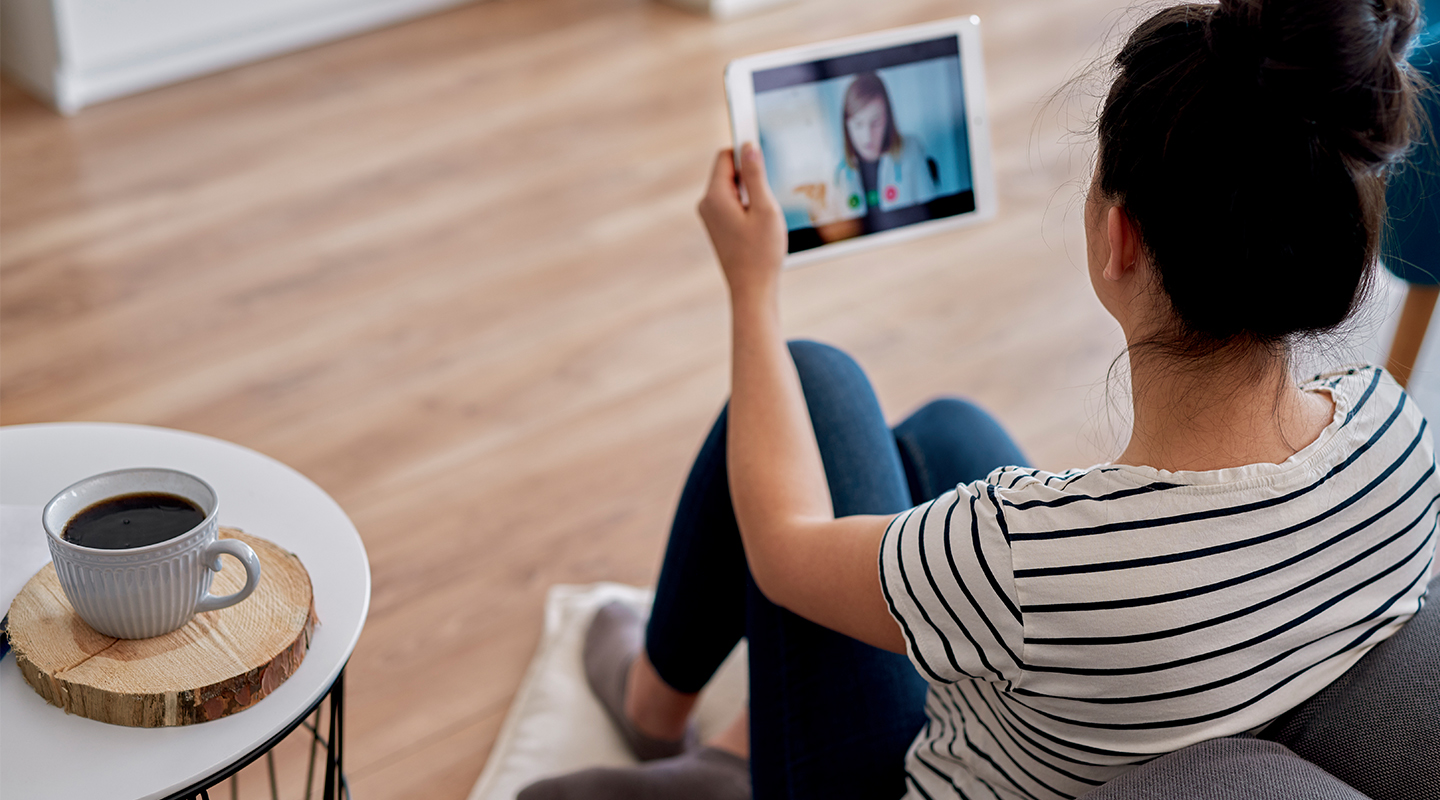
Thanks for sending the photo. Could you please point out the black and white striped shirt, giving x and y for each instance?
(1075, 625)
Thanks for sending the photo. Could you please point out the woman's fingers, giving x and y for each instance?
(723, 193)
(750, 242)
(722, 186)
(752, 172)
(724, 172)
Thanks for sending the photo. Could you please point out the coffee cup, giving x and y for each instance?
(125, 573)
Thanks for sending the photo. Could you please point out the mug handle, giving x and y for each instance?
(247, 557)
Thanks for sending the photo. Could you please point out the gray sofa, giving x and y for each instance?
(1373, 733)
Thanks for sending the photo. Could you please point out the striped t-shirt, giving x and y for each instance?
(1075, 625)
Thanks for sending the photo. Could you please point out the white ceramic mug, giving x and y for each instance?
(139, 592)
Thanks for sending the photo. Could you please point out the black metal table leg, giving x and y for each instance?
(335, 747)
(336, 787)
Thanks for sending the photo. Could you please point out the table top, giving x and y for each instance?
(39, 743)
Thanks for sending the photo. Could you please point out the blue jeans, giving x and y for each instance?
(830, 717)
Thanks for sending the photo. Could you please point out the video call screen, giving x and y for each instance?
(866, 142)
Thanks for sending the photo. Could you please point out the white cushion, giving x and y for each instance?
(556, 725)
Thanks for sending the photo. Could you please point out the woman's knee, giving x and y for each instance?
(950, 441)
(951, 413)
(950, 422)
(823, 367)
(811, 356)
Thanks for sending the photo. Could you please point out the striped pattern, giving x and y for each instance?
(1075, 625)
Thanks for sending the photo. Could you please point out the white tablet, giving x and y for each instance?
(870, 139)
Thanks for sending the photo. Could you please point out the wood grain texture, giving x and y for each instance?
(1410, 330)
(220, 663)
(452, 272)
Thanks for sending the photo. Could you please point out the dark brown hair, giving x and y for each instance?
(866, 88)
(1249, 141)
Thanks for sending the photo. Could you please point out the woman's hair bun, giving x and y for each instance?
(1248, 140)
(1337, 64)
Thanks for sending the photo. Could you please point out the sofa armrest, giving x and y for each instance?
(1377, 727)
(1225, 769)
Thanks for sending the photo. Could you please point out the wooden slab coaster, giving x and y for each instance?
(221, 662)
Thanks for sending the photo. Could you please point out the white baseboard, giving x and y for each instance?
(724, 9)
(54, 50)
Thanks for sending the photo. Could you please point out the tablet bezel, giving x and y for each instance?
(740, 94)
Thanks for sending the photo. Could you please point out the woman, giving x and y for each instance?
(1253, 541)
(883, 169)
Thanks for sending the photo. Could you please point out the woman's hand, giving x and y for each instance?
(750, 242)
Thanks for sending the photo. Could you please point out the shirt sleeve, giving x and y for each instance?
(946, 570)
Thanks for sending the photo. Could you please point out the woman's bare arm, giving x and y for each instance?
(802, 557)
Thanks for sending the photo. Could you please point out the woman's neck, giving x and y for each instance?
(1244, 411)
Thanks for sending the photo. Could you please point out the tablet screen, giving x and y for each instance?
(866, 142)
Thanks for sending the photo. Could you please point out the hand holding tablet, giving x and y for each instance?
(748, 234)
(870, 139)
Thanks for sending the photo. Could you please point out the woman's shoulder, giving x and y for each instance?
(1010, 478)
(1368, 402)
(1375, 423)
(1354, 384)
(1028, 487)
(1372, 413)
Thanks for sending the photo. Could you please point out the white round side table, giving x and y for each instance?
(46, 753)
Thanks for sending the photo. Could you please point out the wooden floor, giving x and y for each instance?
(452, 272)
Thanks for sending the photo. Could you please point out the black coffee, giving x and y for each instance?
(133, 520)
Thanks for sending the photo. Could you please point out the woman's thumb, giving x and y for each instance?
(752, 173)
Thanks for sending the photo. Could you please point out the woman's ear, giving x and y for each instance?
(1124, 243)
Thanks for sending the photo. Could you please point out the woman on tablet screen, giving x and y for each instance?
(882, 170)
(1256, 537)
